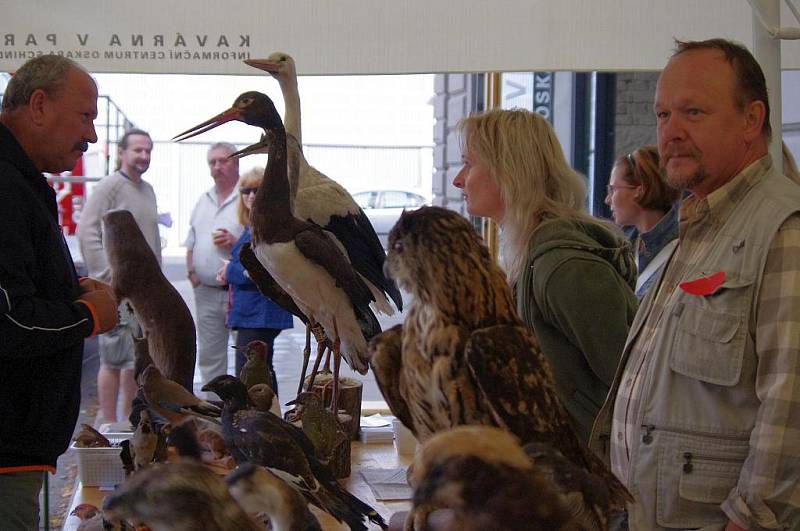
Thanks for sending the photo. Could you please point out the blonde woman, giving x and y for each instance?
(250, 313)
(573, 275)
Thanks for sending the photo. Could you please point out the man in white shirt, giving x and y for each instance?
(213, 230)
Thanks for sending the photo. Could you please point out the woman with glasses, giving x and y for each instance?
(640, 200)
(251, 314)
(572, 275)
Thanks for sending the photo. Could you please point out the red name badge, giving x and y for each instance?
(705, 285)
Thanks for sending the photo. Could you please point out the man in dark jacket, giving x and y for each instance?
(46, 312)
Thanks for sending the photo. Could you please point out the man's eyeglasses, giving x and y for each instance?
(611, 188)
(247, 191)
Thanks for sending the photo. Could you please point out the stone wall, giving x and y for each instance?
(635, 123)
(453, 100)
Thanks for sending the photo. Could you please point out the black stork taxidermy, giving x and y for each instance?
(298, 254)
(323, 201)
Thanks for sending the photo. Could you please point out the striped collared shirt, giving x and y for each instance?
(768, 473)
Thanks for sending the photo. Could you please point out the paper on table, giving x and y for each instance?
(388, 483)
(376, 421)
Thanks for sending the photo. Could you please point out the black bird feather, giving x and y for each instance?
(264, 439)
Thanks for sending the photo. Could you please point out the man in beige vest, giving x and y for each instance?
(704, 412)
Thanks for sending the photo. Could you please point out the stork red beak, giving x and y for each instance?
(263, 64)
(225, 116)
(262, 146)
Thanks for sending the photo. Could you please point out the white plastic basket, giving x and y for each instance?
(101, 467)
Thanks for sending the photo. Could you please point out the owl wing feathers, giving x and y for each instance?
(385, 360)
(512, 374)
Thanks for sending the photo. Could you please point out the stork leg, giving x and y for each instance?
(306, 356)
(337, 362)
(327, 367)
(321, 347)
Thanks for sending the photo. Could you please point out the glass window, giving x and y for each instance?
(365, 199)
(395, 199)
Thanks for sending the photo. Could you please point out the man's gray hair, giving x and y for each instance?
(46, 72)
(223, 145)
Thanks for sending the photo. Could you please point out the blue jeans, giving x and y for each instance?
(19, 510)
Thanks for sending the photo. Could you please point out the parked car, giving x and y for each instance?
(383, 208)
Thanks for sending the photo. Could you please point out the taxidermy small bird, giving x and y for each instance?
(89, 437)
(144, 441)
(263, 398)
(92, 519)
(171, 400)
(255, 369)
(320, 425)
(181, 496)
(259, 491)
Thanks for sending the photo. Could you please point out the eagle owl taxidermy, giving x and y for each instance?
(462, 355)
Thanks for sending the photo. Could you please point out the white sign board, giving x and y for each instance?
(329, 37)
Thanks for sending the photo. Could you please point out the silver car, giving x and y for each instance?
(383, 208)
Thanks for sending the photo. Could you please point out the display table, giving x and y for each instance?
(373, 455)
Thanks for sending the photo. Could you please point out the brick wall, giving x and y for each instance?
(635, 123)
(454, 94)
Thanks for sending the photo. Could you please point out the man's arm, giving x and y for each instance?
(766, 494)
(190, 272)
(31, 323)
(90, 233)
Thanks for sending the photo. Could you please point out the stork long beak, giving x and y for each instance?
(223, 117)
(264, 64)
(262, 146)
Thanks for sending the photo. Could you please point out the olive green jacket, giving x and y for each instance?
(575, 292)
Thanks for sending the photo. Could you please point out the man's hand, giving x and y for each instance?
(733, 527)
(88, 284)
(224, 239)
(99, 298)
(221, 277)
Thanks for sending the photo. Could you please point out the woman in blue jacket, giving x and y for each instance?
(251, 314)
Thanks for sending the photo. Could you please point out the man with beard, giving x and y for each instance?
(703, 413)
(46, 124)
(124, 189)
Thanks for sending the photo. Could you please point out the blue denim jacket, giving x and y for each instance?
(650, 243)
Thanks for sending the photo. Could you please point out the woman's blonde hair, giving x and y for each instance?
(524, 156)
(250, 179)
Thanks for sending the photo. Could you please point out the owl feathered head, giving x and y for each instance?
(436, 254)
